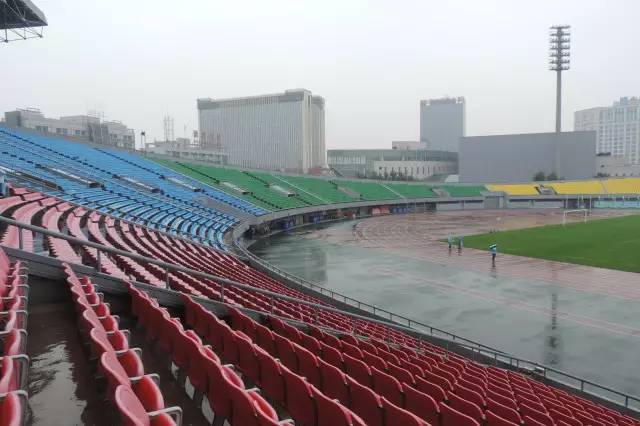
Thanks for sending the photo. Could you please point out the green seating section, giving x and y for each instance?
(260, 192)
(463, 190)
(323, 188)
(265, 189)
(369, 191)
(412, 191)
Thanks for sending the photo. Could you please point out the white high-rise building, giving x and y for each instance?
(283, 131)
(442, 123)
(617, 127)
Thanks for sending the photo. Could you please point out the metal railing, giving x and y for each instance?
(499, 357)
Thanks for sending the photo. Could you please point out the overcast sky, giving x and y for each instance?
(138, 60)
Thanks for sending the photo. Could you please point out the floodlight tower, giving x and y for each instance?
(560, 42)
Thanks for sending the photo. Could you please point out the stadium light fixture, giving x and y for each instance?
(559, 47)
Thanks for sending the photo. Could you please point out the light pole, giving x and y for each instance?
(560, 43)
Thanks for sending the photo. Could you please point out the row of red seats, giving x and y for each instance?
(14, 297)
(487, 395)
(200, 366)
(120, 364)
(318, 373)
(306, 403)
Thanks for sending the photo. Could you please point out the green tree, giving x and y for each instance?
(538, 177)
(552, 176)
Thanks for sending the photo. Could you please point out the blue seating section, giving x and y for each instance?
(172, 208)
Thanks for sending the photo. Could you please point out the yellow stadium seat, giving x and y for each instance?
(622, 186)
(577, 187)
(515, 189)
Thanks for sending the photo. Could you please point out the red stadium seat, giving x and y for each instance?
(332, 355)
(365, 403)
(394, 415)
(144, 387)
(266, 340)
(308, 366)
(421, 404)
(12, 407)
(271, 379)
(503, 411)
(387, 386)
(452, 417)
(133, 413)
(539, 416)
(466, 407)
(358, 370)
(470, 395)
(334, 382)
(299, 398)
(286, 352)
(332, 413)
(431, 389)
(495, 420)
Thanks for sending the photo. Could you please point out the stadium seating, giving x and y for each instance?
(622, 186)
(14, 362)
(515, 189)
(594, 187)
(123, 184)
(463, 190)
(132, 391)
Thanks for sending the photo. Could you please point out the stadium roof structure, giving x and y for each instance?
(20, 20)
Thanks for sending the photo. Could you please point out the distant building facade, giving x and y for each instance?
(283, 131)
(617, 128)
(184, 149)
(517, 158)
(419, 164)
(408, 145)
(79, 127)
(442, 123)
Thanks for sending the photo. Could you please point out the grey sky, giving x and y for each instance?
(372, 60)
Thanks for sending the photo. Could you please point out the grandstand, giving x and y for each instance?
(142, 251)
(20, 20)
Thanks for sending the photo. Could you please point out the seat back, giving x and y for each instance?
(421, 404)
(130, 407)
(308, 365)
(113, 371)
(431, 389)
(271, 380)
(452, 417)
(299, 398)
(11, 410)
(394, 415)
(387, 386)
(495, 420)
(330, 412)
(358, 370)
(466, 407)
(365, 403)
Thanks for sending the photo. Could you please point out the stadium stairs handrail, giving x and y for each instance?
(534, 367)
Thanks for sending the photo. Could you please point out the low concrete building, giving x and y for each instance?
(517, 158)
(183, 149)
(78, 127)
(417, 164)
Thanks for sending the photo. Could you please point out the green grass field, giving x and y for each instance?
(608, 243)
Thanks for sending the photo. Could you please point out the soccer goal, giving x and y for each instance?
(580, 214)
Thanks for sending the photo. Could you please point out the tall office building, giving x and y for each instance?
(617, 127)
(442, 123)
(283, 131)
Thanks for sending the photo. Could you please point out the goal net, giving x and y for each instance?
(569, 216)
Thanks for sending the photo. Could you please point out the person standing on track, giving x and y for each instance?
(460, 244)
(494, 251)
(450, 241)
